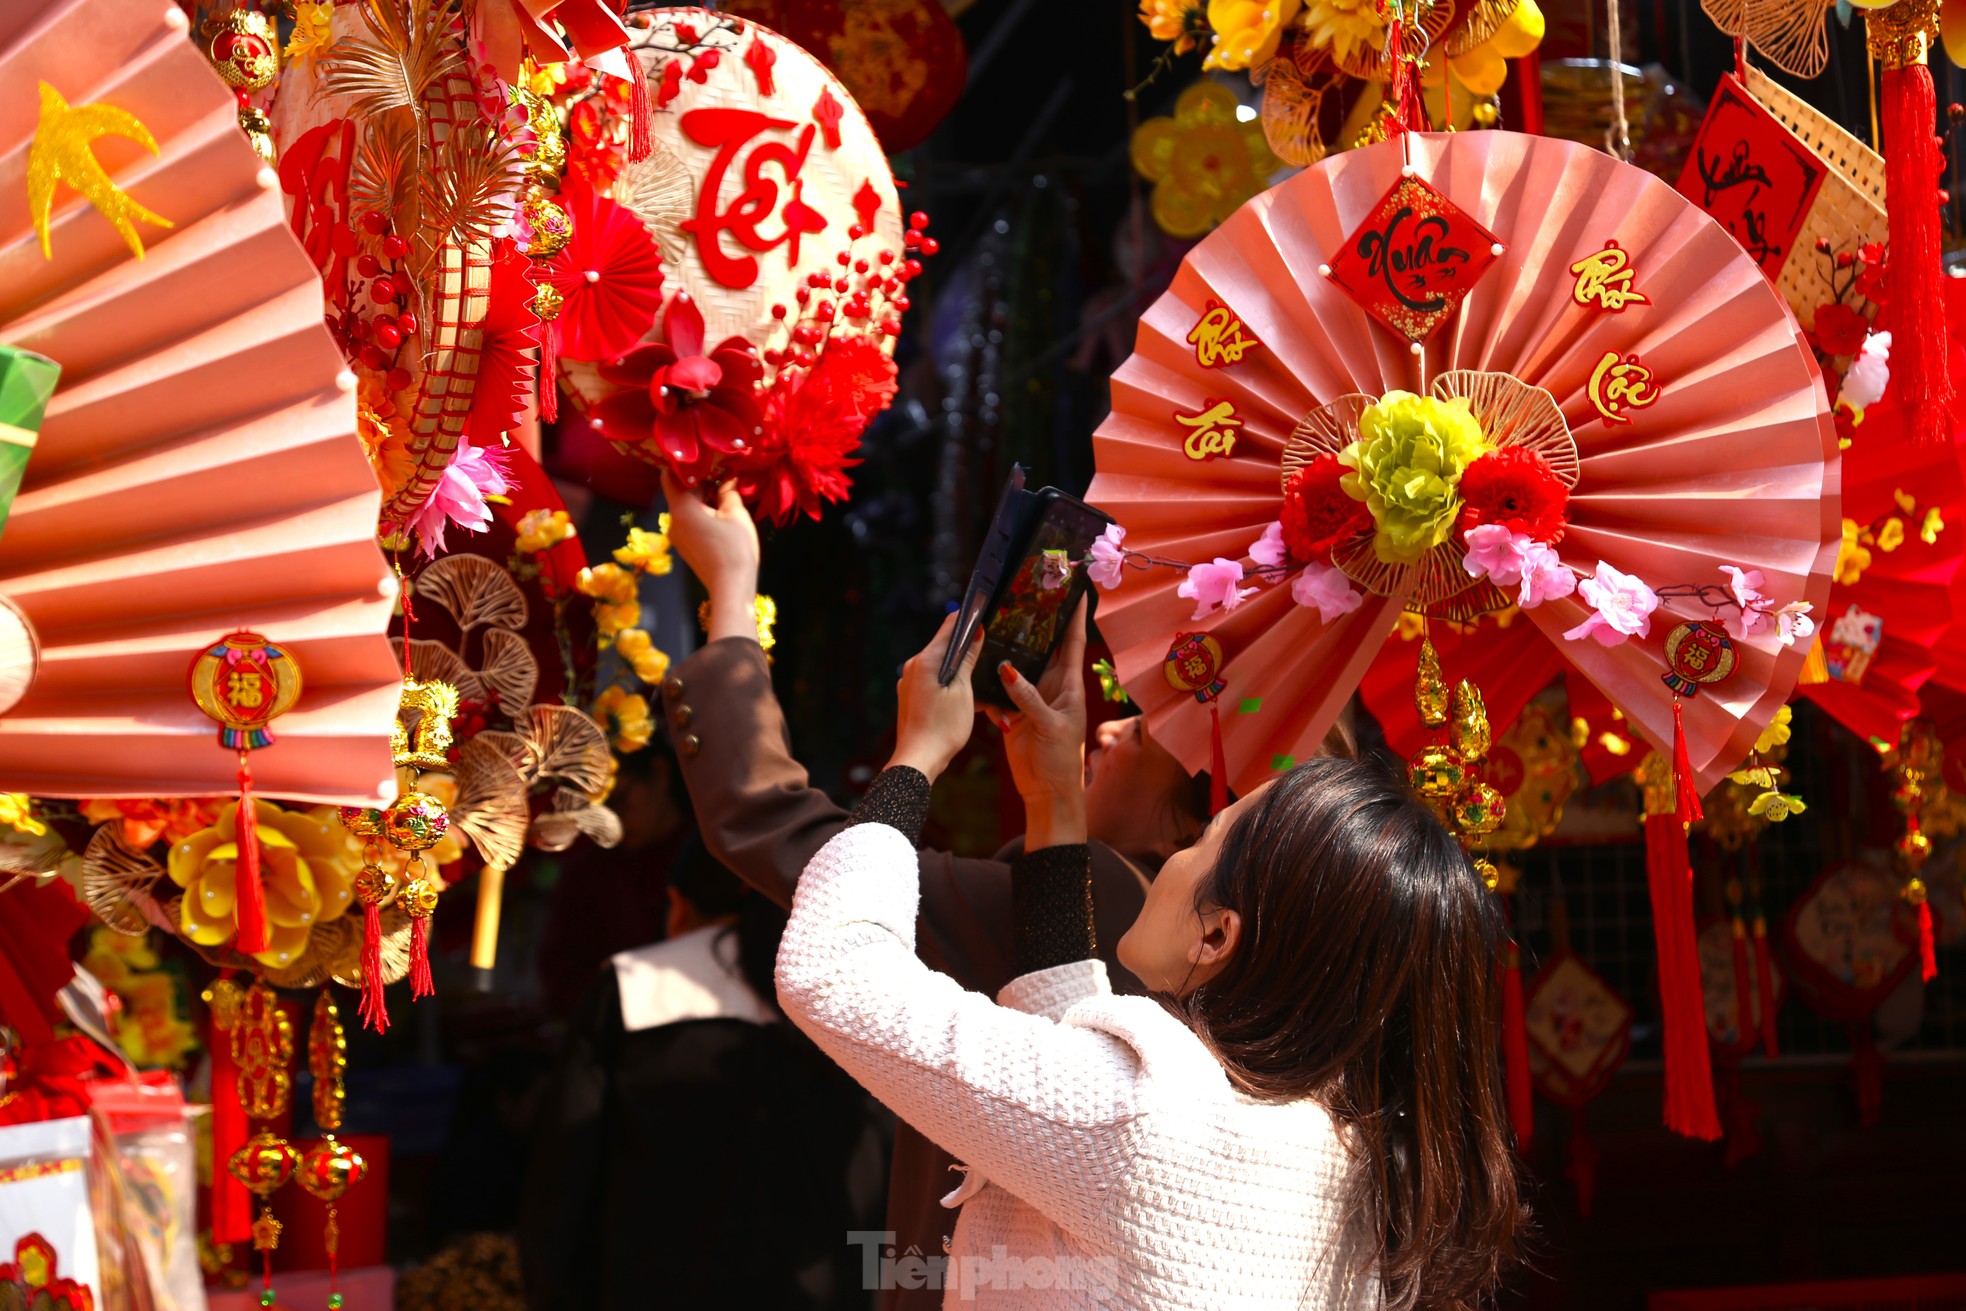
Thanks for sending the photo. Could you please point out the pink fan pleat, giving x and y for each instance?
(1735, 464)
(199, 468)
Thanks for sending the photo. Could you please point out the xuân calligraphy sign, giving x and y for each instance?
(1752, 175)
(1413, 262)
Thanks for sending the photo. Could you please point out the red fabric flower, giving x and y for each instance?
(813, 425)
(609, 274)
(1317, 515)
(694, 409)
(1513, 487)
(1840, 330)
(1870, 279)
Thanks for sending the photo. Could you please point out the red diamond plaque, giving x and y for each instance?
(1415, 260)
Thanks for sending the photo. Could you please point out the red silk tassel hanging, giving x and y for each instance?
(1913, 165)
(642, 139)
(421, 984)
(374, 1010)
(1928, 961)
(232, 1207)
(1218, 765)
(549, 373)
(1515, 1050)
(249, 909)
(1764, 964)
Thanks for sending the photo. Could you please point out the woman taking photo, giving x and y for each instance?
(1308, 1112)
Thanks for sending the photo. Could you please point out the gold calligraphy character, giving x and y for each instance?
(1213, 430)
(1219, 337)
(1621, 384)
(245, 689)
(1605, 279)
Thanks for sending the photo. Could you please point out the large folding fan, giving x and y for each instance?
(198, 469)
(1724, 455)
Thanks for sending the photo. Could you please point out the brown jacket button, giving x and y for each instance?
(684, 716)
(691, 745)
(674, 687)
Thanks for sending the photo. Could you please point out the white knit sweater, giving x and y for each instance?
(1111, 1162)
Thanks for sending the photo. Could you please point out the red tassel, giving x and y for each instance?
(421, 984)
(374, 1011)
(642, 145)
(1682, 1004)
(1686, 789)
(1912, 168)
(232, 1207)
(1764, 964)
(549, 372)
(1218, 766)
(1581, 1169)
(1928, 961)
(249, 908)
(1515, 1050)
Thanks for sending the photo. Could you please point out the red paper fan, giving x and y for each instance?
(1732, 463)
(506, 360)
(610, 274)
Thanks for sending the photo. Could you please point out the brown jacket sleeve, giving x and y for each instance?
(760, 815)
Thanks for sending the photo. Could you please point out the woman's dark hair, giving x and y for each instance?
(716, 892)
(1191, 802)
(1365, 977)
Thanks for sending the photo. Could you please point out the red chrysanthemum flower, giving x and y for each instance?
(813, 425)
(1840, 330)
(1317, 514)
(697, 410)
(1512, 486)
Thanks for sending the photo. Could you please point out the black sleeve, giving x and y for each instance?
(898, 799)
(1051, 907)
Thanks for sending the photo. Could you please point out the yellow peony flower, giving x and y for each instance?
(1181, 22)
(624, 717)
(647, 551)
(17, 812)
(541, 530)
(307, 864)
(650, 662)
(1851, 557)
(1344, 26)
(1407, 465)
(1247, 32)
(1777, 732)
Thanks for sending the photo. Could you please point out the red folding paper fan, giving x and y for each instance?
(1698, 436)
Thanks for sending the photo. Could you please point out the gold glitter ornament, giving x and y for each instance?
(259, 130)
(1435, 772)
(550, 226)
(245, 49)
(1478, 809)
(1471, 733)
(546, 303)
(62, 151)
(1429, 688)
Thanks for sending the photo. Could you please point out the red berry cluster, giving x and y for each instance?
(473, 717)
(373, 333)
(869, 294)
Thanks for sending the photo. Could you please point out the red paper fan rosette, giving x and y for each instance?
(1731, 462)
(609, 274)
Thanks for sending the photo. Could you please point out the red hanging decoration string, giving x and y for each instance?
(420, 900)
(549, 373)
(1928, 961)
(1581, 1166)
(1687, 803)
(1764, 964)
(1671, 803)
(1515, 1050)
(1913, 165)
(642, 139)
(232, 1206)
(250, 894)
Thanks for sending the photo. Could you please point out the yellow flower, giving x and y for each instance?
(1777, 732)
(1776, 806)
(1407, 465)
(1179, 21)
(1934, 524)
(541, 530)
(650, 663)
(1344, 25)
(1204, 161)
(766, 612)
(612, 617)
(647, 551)
(307, 866)
(1247, 31)
(1483, 69)
(313, 30)
(1760, 776)
(607, 582)
(624, 717)
(1892, 535)
(17, 811)
(1851, 557)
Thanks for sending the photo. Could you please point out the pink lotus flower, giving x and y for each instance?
(474, 474)
(1792, 621)
(1215, 587)
(1328, 590)
(1508, 558)
(1107, 558)
(1752, 617)
(1623, 607)
(1270, 552)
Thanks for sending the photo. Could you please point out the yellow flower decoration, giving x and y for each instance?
(152, 1027)
(1759, 776)
(1343, 26)
(1181, 22)
(607, 582)
(541, 530)
(765, 610)
(1247, 32)
(308, 863)
(17, 812)
(1851, 557)
(1407, 465)
(313, 32)
(1777, 732)
(1204, 161)
(650, 662)
(1892, 535)
(1483, 69)
(1928, 532)
(624, 717)
(1776, 806)
(647, 551)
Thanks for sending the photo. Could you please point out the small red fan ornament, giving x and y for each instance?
(244, 682)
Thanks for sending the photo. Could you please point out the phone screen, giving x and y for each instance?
(1037, 599)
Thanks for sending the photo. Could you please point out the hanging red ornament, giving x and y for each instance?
(1194, 664)
(244, 682)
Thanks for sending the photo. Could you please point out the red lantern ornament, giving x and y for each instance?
(244, 682)
(1696, 655)
(1194, 664)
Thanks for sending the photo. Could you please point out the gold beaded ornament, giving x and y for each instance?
(331, 1167)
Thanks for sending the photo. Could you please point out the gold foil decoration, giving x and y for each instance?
(1429, 688)
(1471, 732)
(421, 738)
(62, 152)
(1901, 34)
